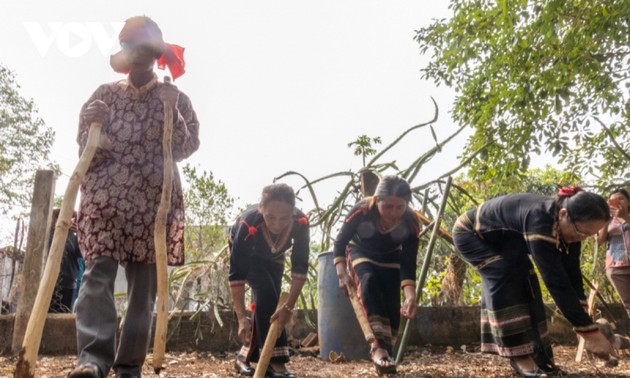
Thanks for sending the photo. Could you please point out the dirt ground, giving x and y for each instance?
(427, 362)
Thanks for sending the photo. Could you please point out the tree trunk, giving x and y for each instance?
(453, 282)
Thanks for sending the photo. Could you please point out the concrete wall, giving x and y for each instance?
(454, 326)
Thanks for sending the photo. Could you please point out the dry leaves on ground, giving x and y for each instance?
(426, 362)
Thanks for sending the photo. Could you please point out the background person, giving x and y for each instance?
(497, 239)
(376, 252)
(259, 241)
(617, 236)
(67, 285)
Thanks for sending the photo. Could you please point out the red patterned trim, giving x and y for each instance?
(351, 216)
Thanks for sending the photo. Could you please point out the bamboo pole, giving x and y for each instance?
(402, 344)
(360, 314)
(428, 223)
(161, 217)
(267, 350)
(25, 367)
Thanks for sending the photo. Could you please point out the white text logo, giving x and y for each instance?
(74, 39)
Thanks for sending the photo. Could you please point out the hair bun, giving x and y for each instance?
(568, 191)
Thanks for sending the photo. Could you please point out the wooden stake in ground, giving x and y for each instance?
(161, 323)
(267, 350)
(361, 318)
(25, 367)
(39, 234)
(591, 302)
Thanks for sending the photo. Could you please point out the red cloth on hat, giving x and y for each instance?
(173, 58)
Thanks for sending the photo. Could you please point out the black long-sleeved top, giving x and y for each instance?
(525, 223)
(247, 239)
(396, 248)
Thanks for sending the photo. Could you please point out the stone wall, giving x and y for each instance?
(454, 326)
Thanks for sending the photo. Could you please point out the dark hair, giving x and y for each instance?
(584, 206)
(389, 186)
(393, 186)
(623, 193)
(277, 192)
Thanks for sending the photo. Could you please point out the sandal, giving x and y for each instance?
(86, 370)
(272, 373)
(384, 365)
(243, 368)
(527, 374)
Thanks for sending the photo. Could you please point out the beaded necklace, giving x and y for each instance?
(280, 241)
(384, 230)
(561, 245)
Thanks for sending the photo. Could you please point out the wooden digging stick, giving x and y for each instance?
(611, 360)
(581, 342)
(267, 350)
(161, 323)
(25, 367)
(361, 318)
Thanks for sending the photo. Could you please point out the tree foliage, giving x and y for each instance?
(208, 213)
(363, 146)
(25, 146)
(537, 76)
(201, 284)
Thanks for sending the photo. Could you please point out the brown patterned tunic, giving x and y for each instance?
(121, 191)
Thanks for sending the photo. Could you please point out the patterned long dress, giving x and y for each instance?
(253, 261)
(496, 239)
(121, 190)
(382, 263)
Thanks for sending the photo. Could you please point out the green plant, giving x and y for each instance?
(536, 76)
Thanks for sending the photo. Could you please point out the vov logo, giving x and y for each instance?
(74, 39)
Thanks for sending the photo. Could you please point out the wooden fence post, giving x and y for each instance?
(36, 247)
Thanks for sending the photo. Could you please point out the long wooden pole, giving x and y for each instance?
(425, 267)
(360, 314)
(25, 367)
(274, 332)
(161, 262)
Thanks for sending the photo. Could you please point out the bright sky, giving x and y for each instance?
(277, 85)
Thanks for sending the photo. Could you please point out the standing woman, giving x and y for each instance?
(378, 243)
(497, 239)
(617, 234)
(120, 195)
(259, 241)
